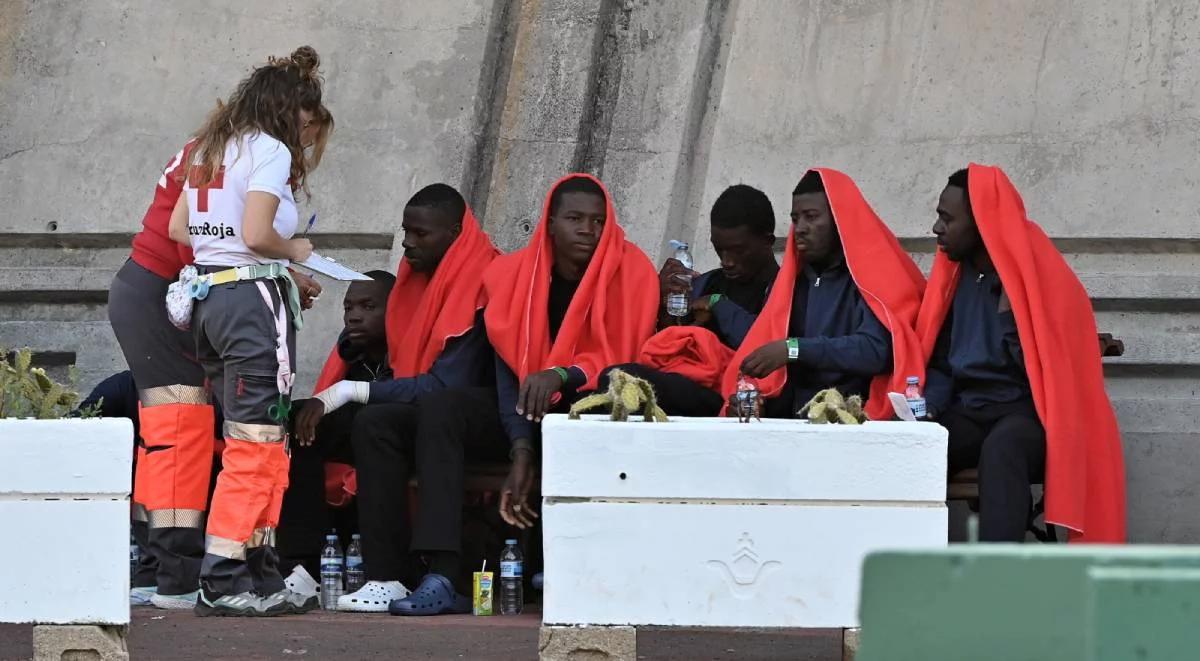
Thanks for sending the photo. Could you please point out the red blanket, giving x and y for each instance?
(885, 275)
(691, 351)
(424, 311)
(612, 313)
(1085, 474)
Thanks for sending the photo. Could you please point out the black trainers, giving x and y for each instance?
(246, 604)
(293, 602)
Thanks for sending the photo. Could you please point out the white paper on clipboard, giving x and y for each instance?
(327, 266)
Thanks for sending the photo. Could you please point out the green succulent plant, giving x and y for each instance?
(28, 392)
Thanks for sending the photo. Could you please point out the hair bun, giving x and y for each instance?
(306, 58)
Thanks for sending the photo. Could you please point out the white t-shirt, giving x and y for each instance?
(258, 163)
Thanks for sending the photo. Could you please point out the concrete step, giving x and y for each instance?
(1157, 415)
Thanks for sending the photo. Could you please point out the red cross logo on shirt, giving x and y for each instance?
(202, 192)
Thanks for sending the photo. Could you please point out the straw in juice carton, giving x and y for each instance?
(481, 591)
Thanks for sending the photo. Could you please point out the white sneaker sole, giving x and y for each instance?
(175, 602)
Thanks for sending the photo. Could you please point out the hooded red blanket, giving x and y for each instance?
(423, 312)
(1085, 474)
(885, 275)
(612, 313)
(691, 351)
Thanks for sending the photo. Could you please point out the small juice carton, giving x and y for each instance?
(481, 593)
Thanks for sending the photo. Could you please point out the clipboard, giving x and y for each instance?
(329, 267)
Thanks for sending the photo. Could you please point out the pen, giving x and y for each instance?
(311, 221)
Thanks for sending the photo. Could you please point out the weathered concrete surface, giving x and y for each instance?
(60, 642)
(591, 643)
(1090, 107)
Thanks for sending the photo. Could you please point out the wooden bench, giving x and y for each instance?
(964, 485)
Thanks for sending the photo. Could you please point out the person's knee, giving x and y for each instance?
(373, 424)
(1014, 447)
(443, 403)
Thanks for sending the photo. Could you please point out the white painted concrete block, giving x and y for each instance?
(708, 522)
(719, 566)
(65, 561)
(64, 510)
(714, 458)
(66, 456)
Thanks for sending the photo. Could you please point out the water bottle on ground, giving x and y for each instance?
(512, 575)
(356, 571)
(331, 573)
(916, 401)
(679, 305)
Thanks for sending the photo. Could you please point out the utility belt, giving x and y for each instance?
(193, 286)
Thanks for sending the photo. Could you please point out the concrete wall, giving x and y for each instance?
(1090, 106)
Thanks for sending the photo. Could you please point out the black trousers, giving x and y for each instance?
(1008, 445)
(437, 438)
(158, 354)
(306, 517)
(677, 394)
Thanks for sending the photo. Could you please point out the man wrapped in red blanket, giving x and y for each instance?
(1015, 374)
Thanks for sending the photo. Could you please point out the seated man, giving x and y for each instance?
(685, 364)
(558, 311)
(361, 355)
(1014, 375)
(435, 341)
(841, 310)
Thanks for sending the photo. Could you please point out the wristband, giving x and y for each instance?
(793, 347)
(562, 373)
(712, 300)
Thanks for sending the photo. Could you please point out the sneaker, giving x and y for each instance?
(373, 597)
(293, 602)
(174, 602)
(141, 596)
(246, 604)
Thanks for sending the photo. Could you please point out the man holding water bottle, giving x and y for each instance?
(685, 360)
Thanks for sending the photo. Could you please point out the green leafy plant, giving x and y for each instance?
(28, 392)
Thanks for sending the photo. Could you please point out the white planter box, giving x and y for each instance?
(64, 510)
(708, 522)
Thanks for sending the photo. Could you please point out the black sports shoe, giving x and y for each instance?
(246, 604)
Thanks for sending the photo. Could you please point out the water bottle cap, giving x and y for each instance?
(510, 542)
(678, 245)
(331, 538)
(912, 380)
(356, 536)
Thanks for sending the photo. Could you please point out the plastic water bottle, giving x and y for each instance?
(916, 401)
(679, 305)
(356, 572)
(512, 575)
(331, 573)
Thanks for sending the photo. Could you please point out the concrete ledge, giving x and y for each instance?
(587, 644)
(849, 644)
(57, 642)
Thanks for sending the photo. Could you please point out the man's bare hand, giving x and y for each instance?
(514, 497)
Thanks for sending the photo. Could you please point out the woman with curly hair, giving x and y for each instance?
(239, 216)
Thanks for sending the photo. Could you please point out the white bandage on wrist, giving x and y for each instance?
(342, 393)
